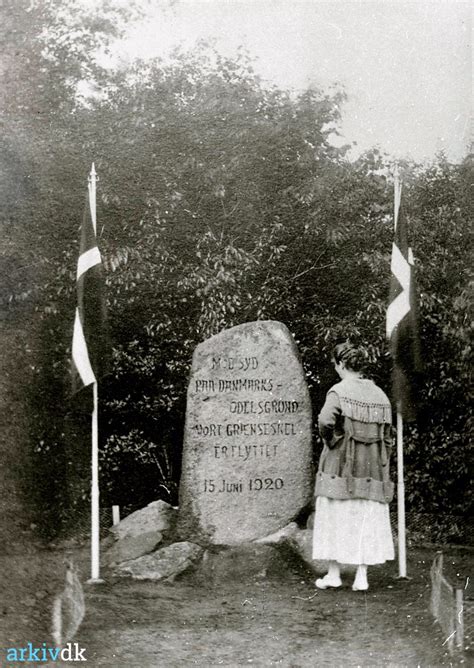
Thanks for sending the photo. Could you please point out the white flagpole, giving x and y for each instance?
(95, 524)
(397, 194)
(402, 558)
(92, 197)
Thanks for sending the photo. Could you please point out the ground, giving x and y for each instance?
(277, 619)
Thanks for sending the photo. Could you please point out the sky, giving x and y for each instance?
(406, 66)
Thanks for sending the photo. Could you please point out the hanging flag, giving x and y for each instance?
(89, 323)
(402, 318)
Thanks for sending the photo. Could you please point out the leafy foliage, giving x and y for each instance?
(221, 201)
(439, 446)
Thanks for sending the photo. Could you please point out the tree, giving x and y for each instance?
(439, 451)
(221, 201)
(48, 46)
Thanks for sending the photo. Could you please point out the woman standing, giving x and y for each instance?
(353, 488)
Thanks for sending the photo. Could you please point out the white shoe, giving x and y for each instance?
(360, 586)
(327, 582)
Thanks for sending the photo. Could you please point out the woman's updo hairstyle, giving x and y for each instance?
(355, 358)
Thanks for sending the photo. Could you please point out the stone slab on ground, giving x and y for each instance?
(156, 516)
(301, 541)
(239, 563)
(247, 457)
(132, 547)
(165, 563)
(279, 536)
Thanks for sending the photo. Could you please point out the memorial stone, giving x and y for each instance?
(247, 458)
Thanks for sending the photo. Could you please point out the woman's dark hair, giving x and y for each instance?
(355, 358)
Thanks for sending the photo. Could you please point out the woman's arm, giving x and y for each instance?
(328, 417)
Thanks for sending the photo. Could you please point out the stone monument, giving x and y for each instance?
(247, 458)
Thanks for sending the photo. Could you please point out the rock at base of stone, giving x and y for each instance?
(301, 542)
(132, 547)
(166, 563)
(279, 536)
(107, 542)
(241, 563)
(156, 516)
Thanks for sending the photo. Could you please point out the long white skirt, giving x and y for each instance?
(352, 531)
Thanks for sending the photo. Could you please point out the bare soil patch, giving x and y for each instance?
(276, 619)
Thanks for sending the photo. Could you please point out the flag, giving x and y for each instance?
(402, 318)
(88, 342)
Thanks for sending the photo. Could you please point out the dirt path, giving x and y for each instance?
(277, 620)
(280, 620)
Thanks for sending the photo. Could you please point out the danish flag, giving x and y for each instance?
(402, 317)
(88, 341)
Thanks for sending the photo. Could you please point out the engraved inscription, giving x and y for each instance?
(246, 452)
(234, 385)
(253, 484)
(205, 386)
(259, 407)
(208, 429)
(231, 363)
(259, 484)
(245, 429)
(245, 384)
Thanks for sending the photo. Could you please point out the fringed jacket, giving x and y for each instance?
(356, 427)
